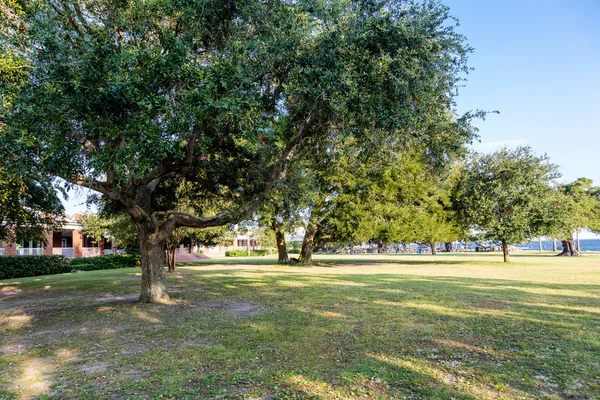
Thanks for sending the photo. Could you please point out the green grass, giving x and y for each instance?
(461, 326)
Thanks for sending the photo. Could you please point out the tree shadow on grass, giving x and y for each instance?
(327, 335)
(511, 336)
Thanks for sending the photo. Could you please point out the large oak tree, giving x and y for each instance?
(125, 97)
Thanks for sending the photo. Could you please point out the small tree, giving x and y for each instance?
(575, 205)
(506, 194)
(95, 227)
(283, 211)
(172, 243)
(266, 238)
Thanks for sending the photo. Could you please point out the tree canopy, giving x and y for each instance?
(29, 206)
(29, 203)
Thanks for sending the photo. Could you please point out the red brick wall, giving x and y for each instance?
(77, 243)
(10, 249)
(9, 245)
(49, 243)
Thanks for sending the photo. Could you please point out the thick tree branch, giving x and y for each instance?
(93, 184)
(81, 17)
(162, 170)
(176, 219)
(68, 18)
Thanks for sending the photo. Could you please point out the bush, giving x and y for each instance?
(105, 262)
(24, 266)
(293, 251)
(244, 253)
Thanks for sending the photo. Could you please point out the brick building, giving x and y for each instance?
(69, 241)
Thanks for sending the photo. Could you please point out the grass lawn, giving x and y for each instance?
(462, 326)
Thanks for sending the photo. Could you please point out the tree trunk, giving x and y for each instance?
(433, 250)
(565, 248)
(171, 258)
(154, 285)
(568, 248)
(308, 244)
(572, 249)
(448, 246)
(505, 251)
(282, 254)
(554, 249)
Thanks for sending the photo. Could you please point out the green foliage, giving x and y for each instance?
(116, 227)
(95, 226)
(507, 194)
(294, 245)
(576, 205)
(244, 253)
(232, 80)
(29, 205)
(265, 237)
(287, 203)
(398, 198)
(105, 262)
(23, 266)
(152, 102)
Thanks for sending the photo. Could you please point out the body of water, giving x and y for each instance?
(586, 245)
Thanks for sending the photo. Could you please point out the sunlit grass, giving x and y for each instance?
(462, 326)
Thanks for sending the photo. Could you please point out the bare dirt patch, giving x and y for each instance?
(94, 368)
(8, 291)
(112, 298)
(15, 321)
(133, 350)
(239, 308)
(197, 342)
(39, 305)
(35, 378)
(55, 333)
(13, 348)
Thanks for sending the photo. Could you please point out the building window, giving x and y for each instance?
(253, 243)
(242, 243)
